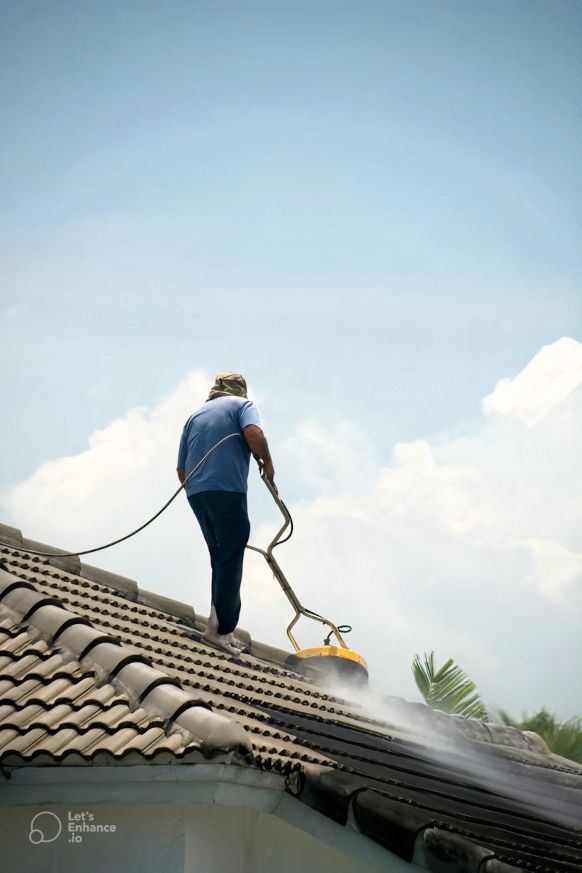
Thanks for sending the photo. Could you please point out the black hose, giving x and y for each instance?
(138, 529)
(342, 628)
(290, 534)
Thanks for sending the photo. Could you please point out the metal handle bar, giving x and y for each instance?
(281, 578)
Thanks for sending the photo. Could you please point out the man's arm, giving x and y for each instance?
(257, 443)
(182, 452)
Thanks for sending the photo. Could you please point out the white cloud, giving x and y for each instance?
(556, 573)
(470, 545)
(125, 475)
(545, 383)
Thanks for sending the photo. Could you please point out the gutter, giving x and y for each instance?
(184, 784)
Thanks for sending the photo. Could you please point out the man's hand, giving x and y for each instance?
(267, 469)
(257, 443)
(181, 475)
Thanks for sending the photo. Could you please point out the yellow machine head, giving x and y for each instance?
(329, 664)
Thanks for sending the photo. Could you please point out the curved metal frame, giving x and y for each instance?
(280, 576)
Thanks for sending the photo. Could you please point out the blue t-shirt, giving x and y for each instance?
(227, 468)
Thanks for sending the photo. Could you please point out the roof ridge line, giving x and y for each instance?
(131, 590)
(141, 682)
(126, 586)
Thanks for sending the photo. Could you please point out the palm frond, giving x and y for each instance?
(563, 737)
(448, 689)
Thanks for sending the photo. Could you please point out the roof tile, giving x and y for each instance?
(75, 699)
(435, 848)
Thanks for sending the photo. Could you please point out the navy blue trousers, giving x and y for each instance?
(224, 521)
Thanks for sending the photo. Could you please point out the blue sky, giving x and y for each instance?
(370, 209)
(322, 196)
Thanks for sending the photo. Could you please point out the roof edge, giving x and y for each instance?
(125, 669)
(130, 589)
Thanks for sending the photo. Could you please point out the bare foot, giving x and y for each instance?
(221, 641)
(238, 644)
(213, 620)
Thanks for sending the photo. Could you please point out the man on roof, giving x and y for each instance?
(217, 492)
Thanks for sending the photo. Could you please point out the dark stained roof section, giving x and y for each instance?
(95, 670)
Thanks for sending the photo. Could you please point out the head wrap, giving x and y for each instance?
(228, 384)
